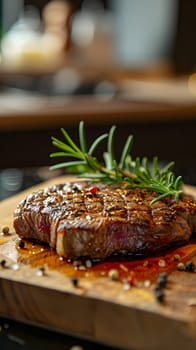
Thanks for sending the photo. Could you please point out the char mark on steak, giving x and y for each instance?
(77, 221)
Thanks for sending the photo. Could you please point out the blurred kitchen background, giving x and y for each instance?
(126, 62)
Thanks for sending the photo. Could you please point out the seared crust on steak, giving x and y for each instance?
(78, 220)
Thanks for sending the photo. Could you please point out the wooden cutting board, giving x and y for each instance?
(100, 309)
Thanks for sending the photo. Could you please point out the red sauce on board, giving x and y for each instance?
(142, 268)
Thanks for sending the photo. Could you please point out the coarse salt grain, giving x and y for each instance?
(103, 273)
(147, 283)
(162, 263)
(40, 272)
(15, 266)
(88, 264)
(126, 286)
(77, 263)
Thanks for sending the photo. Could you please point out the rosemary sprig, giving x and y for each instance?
(134, 173)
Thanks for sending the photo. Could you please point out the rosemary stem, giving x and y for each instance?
(132, 173)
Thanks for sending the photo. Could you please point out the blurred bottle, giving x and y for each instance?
(10, 11)
(56, 16)
(144, 31)
(91, 32)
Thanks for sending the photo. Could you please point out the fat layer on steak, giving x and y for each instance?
(79, 220)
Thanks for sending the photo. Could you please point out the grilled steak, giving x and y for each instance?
(80, 220)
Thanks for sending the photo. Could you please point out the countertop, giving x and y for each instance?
(160, 113)
(15, 335)
(134, 101)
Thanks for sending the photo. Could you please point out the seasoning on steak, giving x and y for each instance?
(80, 220)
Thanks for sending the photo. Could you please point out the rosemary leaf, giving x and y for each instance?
(156, 169)
(61, 145)
(125, 152)
(139, 170)
(128, 162)
(168, 167)
(82, 137)
(159, 197)
(67, 164)
(93, 175)
(96, 143)
(107, 161)
(178, 182)
(63, 154)
(70, 141)
(110, 147)
(146, 167)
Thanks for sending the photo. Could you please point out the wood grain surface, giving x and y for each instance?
(99, 308)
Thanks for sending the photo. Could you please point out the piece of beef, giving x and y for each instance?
(80, 220)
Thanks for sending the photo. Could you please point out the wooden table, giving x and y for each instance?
(17, 335)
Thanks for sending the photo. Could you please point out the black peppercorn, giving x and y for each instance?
(5, 230)
(76, 189)
(21, 244)
(159, 294)
(3, 263)
(161, 280)
(163, 275)
(161, 283)
(74, 281)
(189, 266)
